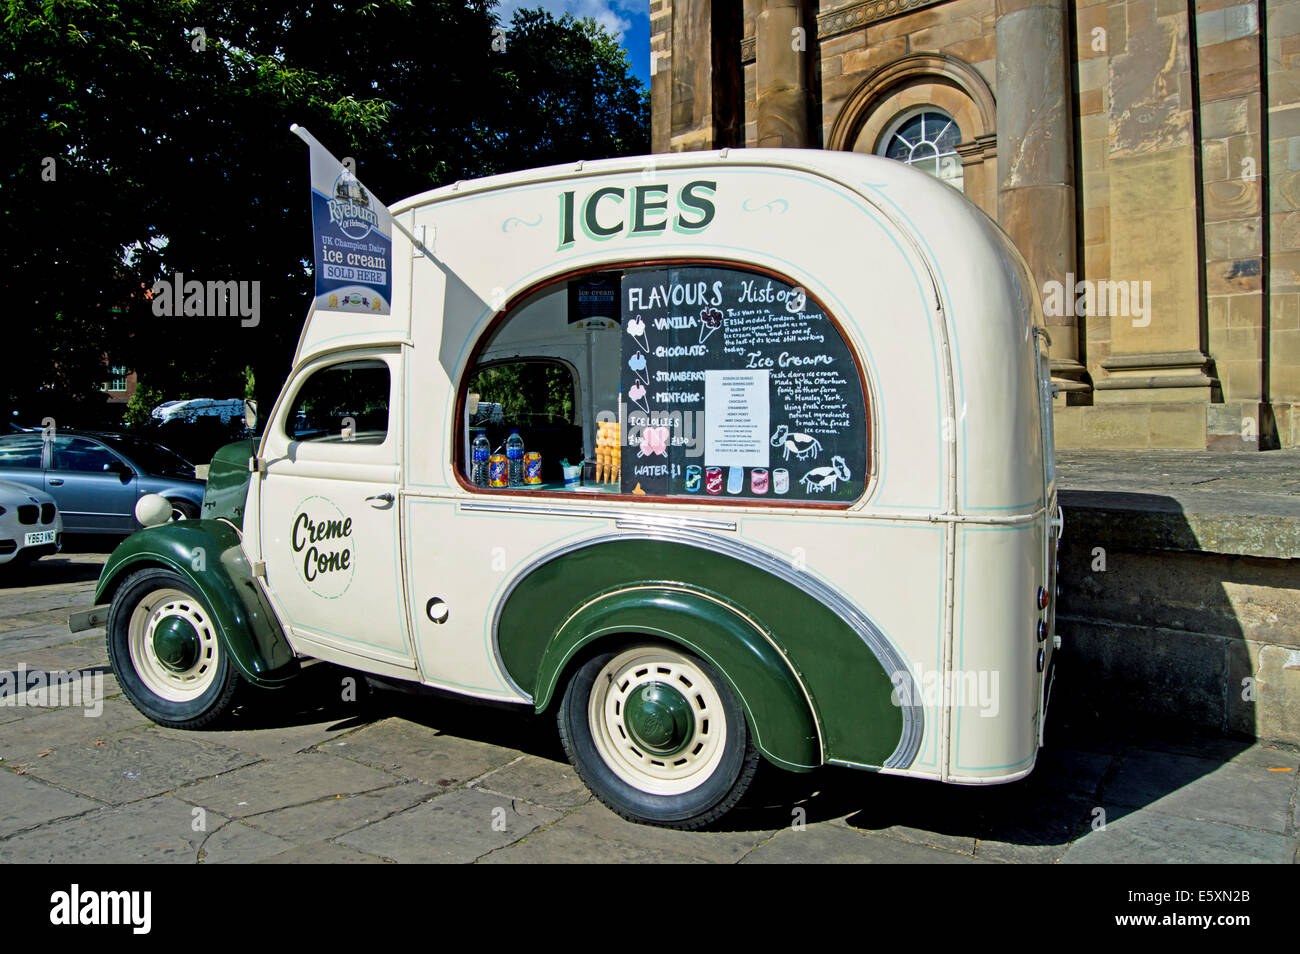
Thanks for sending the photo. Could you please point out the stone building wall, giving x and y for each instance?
(1282, 132)
(1128, 147)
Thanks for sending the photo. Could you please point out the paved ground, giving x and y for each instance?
(305, 777)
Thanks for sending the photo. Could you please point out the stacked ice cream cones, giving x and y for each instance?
(609, 451)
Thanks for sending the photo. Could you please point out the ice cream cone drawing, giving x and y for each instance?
(637, 364)
(636, 394)
(710, 321)
(636, 328)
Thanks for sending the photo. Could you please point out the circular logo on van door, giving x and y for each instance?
(323, 547)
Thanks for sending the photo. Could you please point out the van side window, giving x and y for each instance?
(535, 397)
(345, 402)
(699, 381)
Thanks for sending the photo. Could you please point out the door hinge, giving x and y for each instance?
(256, 465)
(259, 569)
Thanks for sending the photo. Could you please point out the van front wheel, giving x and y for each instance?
(166, 652)
(658, 736)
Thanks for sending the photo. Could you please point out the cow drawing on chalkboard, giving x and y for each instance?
(801, 445)
(826, 478)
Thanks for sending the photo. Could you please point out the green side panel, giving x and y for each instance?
(207, 554)
(850, 689)
(228, 478)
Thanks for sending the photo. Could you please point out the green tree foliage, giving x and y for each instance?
(530, 392)
(138, 147)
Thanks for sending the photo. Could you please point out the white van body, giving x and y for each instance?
(944, 554)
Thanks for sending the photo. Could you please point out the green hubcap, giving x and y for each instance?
(176, 644)
(659, 718)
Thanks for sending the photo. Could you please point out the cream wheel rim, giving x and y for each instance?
(694, 753)
(161, 608)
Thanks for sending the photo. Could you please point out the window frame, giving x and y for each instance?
(458, 446)
(324, 363)
(903, 118)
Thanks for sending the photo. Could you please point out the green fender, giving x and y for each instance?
(778, 710)
(816, 675)
(207, 554)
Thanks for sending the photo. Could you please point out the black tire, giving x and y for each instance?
(184, 510)
(222, 684)
(609, 766)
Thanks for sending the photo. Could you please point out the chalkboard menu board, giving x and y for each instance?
(735, 385)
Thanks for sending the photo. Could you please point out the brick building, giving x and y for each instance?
(1144, 155)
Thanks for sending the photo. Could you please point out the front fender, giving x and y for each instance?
(779, 711)
(208, 555)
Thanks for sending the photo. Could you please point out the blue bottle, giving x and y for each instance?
(481, 451)
(515, 458)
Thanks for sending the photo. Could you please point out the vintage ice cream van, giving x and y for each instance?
(716, 457)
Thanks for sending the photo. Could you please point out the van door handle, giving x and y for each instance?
(56, 481)
(385, 498)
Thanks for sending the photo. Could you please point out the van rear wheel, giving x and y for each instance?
(167, 653)
(658, 735)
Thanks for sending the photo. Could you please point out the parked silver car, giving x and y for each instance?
(30, 524)
(96, 477)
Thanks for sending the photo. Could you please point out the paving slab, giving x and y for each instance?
(557, 845)
(155, 831)
(414, 751)
(1152, 837)
(537, 780)
(272, 742)
(598, 824)
(458, 827)
(295, 780)
(235, 843)
(1071, 770)
(29, 639)
(322, 853)
(833, 844)
(26, 802)
(134, 765)
(338, 815)
(45, 730)
(1037, 829)
(1235, 793)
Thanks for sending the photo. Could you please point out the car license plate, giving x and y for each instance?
(39, 537)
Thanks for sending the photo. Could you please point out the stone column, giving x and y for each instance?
(705, 91)
(783, 48)
(1157, 351)
(1036, 160)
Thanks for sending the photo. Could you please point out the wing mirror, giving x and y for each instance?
(250, 414)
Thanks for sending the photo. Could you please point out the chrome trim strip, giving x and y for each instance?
(642, 517)
(913, 715)
(635, 517)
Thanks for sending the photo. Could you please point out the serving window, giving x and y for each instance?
(689, 381)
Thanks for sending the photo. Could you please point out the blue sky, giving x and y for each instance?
(628, 19)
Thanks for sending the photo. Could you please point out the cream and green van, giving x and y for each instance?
(795, 498)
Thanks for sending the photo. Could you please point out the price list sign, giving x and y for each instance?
(736, 385)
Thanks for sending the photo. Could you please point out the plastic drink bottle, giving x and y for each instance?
(515, 456)
(482, 450)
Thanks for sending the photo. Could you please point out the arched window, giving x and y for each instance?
(925, 137)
